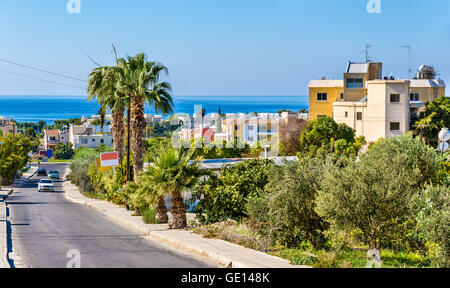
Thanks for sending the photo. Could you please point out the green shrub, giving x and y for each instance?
(149, 216)
(326, 260)
(64, 151)
(373, 194)
(225, 196)
(320, 135)
(79, 169)
(434, 221)
(286, 209)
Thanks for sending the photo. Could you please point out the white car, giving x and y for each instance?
(46, 185)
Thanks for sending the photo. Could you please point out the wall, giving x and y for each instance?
(323, 108)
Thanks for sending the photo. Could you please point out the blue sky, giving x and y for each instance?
(220, 47)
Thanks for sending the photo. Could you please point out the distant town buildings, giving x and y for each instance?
(243, 128)
(7, 126)
(374, 106)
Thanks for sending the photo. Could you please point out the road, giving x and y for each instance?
(45, 227)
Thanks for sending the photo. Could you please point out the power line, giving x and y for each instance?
(40, 79)
(42, 70)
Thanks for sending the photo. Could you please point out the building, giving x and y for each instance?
(324, 93)
(51, 138)
(374, 106)
(7, 126)
(385, 112)
(85, 136)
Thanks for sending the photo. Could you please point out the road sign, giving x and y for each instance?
(109, 159)
(99, 166)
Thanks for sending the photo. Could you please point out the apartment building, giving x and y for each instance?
(385, 112)
(374, 106)
(324, 93)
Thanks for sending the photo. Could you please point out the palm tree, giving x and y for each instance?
(103, 87)
(144, 87)
(173, 171)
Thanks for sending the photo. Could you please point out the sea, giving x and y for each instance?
(51, 108)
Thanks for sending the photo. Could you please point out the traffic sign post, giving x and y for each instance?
(109, 159)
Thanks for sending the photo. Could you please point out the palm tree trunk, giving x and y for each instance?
(178, 211)
(118, 131)
(128, 141)
(138, 125)
(161, 211)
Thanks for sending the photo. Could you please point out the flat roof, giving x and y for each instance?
(426, 83)
(326, 83)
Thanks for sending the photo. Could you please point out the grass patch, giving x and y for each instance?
(241, 234)
(96, 196)
(89, 152)
(149, 216)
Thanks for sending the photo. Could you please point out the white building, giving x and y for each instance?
(85, 136)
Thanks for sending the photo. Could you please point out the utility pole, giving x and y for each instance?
(409, 59)
(129, 140)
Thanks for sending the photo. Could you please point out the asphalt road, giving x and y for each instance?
(45, 227)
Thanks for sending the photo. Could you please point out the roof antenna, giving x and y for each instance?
(367, 52)
(409, 59)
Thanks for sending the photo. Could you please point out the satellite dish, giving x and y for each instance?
(444, 135)
(443, 147)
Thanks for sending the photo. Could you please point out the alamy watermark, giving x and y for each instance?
(374, 6)
(75, 258)
(73, 7)
(233, 131)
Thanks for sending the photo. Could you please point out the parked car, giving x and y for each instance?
(46, 185)
(42, 172)
(53, 174)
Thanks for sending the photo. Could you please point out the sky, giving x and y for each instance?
(219, 47)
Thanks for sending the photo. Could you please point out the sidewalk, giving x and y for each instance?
(4, 193)
(222, 252)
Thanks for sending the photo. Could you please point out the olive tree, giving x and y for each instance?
(433, 220)
(288, 204)
(373, 194)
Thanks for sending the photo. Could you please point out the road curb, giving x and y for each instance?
(4, 261)
(177, 241)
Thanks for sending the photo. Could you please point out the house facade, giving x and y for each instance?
(85, 136)
(374, 106)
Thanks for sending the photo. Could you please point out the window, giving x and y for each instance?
(250, 139)
(342, 96)
(394, 126)
(251, 128)
(102, 141)
(84, 141)
(355, 83)
(322, 116)
(93, 140)
(322, 96)
(346, 114)
(395, 98)
(359, 116)
(236, 127)
(52, 138)
(414, 96)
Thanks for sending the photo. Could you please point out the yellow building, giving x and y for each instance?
(323, 93)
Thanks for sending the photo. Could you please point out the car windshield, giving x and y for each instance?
(46, 181)
(54, 172)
